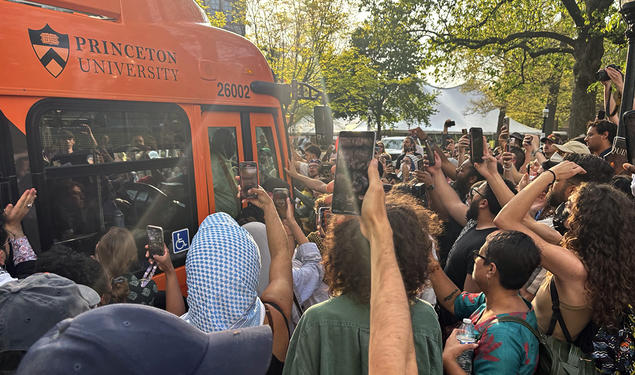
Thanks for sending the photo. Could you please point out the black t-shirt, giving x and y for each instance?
(451, 231)
(461, 259)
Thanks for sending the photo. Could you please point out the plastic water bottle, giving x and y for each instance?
(466, 335)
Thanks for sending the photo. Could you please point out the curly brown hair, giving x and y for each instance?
(601, 233)
(347, 252)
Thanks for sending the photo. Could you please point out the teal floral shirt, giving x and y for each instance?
(503, 347)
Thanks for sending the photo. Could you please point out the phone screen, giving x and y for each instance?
(354, 153)
(155, 240)
(280, 196)
(248, 177)
(476, 142)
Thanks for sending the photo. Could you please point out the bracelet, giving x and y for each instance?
(554, 176)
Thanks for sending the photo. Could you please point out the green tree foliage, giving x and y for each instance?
(378, 76)
(297, 38)
(505, 37)
(216, 19)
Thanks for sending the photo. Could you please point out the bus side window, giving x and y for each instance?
(134, 172)
(224, 159)
(267, 159)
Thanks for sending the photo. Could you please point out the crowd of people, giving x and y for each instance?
(532, 247)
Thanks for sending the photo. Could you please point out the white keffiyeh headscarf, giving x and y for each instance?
(222, 268)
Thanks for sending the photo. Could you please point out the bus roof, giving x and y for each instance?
(144, 50)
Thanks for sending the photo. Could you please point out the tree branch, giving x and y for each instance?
(574, 12)
(478, 43)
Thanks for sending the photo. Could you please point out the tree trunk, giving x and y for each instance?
(552, 103)
(588, 54)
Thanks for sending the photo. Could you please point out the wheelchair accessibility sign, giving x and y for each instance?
(180, 240)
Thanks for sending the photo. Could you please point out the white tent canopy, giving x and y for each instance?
(452, 104)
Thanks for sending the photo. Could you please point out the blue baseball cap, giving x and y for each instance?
(137, 339)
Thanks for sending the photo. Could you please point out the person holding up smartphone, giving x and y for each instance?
(173, 297)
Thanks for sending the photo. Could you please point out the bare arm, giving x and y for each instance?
(280, 288)
(309, 182)
(173, 297)
(443, 287)
(391, 346)
(448, 168)
(558, 260)
(445, 195)
(488, 169)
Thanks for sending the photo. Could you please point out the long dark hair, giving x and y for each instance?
(602, 234)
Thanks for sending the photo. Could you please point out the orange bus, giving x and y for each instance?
(129, 113)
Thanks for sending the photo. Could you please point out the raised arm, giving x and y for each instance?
(280, 288)
(558, 260)
(311, 183)
(173, 298)
(23, 255)
(445, 195)
(488, 169)
(391, 345)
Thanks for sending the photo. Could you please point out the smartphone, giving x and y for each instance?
(248, 171)
(420, 165)
(324, 215)
(476, 145)
(463, 131)
(155, 240)
(280, 196)
(354, 153)
(429, 152)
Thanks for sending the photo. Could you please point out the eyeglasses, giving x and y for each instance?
(476, 254)
(474, 191)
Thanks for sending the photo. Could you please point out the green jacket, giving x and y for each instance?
(332, 338)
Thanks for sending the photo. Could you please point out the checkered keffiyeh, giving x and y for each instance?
(222, 268)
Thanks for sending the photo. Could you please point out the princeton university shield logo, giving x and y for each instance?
(51, 48)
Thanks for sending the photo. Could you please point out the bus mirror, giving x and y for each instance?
(323, 124)
(278, 90)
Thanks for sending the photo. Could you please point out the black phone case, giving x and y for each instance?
(476, 156)
(352, 171)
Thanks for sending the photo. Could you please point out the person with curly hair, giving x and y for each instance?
(333, 336)
(592, 269)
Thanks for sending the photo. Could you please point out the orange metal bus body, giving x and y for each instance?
(153, 51)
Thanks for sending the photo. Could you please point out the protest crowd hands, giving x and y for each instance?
(566, 170)
(14, 214)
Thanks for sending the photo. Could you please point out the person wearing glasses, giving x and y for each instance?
(502, 347)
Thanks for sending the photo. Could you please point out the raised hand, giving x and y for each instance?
(374, 204)
(14, 214)
(566, 170)
(164, 262)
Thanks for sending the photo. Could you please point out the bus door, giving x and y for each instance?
(225, 139)
(266, 142)
(98, 164)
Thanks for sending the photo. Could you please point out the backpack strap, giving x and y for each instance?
(297, 305)
(515, 319)
(556, 315)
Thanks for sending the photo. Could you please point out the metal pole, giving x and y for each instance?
(628, 11)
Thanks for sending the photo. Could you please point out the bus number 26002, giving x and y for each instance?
(232, 90)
